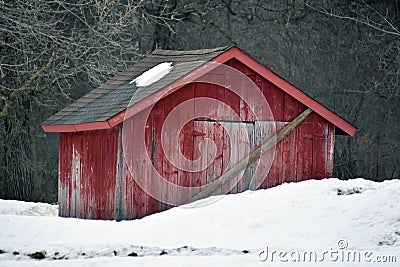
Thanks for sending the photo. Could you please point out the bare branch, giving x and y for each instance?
(387, 27)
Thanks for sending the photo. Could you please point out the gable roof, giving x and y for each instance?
(106, 106)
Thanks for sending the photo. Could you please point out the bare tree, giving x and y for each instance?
(51, 51)
(381, 17)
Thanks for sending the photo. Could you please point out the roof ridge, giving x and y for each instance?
(162, 52)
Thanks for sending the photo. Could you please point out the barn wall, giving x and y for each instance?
(87, 171)
(104, 174)
(306, 153)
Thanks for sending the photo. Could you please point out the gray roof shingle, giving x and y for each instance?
(116, 94)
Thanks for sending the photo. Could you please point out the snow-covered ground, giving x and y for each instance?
(329, 219)
(14, 207)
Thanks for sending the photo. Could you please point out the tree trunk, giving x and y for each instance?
(17, 153)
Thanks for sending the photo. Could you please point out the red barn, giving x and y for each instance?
(182, 125)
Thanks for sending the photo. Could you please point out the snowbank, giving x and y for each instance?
(14, 207)
(311, 215)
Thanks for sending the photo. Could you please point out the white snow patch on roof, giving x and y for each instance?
(153, 75)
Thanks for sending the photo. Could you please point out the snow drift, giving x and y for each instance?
(310, 215)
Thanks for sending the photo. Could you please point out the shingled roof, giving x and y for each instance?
(108, 105)
(116, 94)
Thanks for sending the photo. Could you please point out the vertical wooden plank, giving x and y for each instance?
(102, 185)
(92, 179)
(261, 110)
(244, 142)
(228, 154)
(289, 166)
(76, 173)
(69, 182)
(94, 172)
(225, 156)
(330, 142)
(153, 187)
(112, 170)
(305, 149)
(203, 90)
(64, 173)
(96, 179)
(319, 148)
(140, 167)
(232, 143)
(98, 175)
(289, 157)
(319, 157)
(222, 110)
(246, 98)
(231, 98)
(275, 98)
(132, 203)
(210, 172)
(306, 168)
(290, 108)
(109, 183)
(215, 133)
(170, 172)
(99, 164)
(265, 87)
(258, 165)
(138, 195)
(200, 154)
(212, 107)
(147, 163)
(120, 183)
(85, 183)
(158, 156)
(62, 150)
(132, 155)
(218, 136)
(185, 142)
(112, 138)
(247, 145)
(263, 131)
(107, 143)
(275, 173)
(276, 103)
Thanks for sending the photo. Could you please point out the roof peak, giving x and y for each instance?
(162, 52)
(107, 106)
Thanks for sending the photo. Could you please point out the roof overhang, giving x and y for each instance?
(234, 52)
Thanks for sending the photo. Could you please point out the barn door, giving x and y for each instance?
(221, 145)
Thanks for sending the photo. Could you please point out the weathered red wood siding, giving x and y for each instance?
(103, 175)
(87, 168)
(306, 153)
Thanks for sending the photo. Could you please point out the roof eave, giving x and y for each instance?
(229, 53)
(65, 128)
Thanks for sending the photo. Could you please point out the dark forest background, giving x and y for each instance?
(345, 54)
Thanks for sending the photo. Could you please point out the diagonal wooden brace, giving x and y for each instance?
(252, 157)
